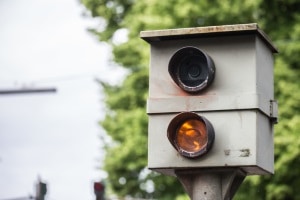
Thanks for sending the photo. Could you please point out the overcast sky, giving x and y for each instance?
(44, 43)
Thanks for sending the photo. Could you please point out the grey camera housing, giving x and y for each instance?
(239, 102)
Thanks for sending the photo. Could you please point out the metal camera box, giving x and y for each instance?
(238, 101)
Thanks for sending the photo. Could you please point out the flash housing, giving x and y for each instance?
(199, 129)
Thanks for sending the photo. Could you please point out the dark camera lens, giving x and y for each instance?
(191, 69)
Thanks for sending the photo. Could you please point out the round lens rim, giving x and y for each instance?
(177, 121)
(175, 64)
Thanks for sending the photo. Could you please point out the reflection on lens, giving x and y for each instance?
(192, 71)
(191, 136)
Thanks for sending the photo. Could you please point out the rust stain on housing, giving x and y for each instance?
(245, 152)
(160, 35)
(237, 153)
(227, 152)
(199, 30)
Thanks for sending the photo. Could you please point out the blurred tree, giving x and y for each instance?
(126, 119)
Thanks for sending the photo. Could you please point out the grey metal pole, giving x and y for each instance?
(213, 184)
(207, 186)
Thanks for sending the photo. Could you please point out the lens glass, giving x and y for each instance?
(193, 71)
(191, 135)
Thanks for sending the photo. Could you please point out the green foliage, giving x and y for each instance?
(112, 11)
(126, 119)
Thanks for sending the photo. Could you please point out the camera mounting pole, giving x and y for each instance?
(211, 184)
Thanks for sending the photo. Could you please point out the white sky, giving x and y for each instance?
(54, 135)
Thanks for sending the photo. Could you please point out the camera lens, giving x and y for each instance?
(191, 69)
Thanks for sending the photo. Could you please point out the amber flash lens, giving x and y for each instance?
(191, 134)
